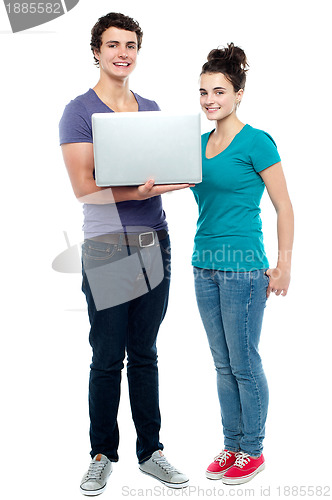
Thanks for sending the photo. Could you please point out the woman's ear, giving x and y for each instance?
(239, 96)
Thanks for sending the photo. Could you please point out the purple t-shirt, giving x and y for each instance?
(75, 126)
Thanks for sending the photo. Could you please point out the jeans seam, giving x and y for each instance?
(248, 351)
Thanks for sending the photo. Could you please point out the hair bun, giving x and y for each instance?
(230, 55)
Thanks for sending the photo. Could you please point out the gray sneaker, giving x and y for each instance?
(158, 467)
(95, 480)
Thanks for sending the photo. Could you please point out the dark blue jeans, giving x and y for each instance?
(130, 327)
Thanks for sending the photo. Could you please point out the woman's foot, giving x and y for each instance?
(220, 465)
(244, 469)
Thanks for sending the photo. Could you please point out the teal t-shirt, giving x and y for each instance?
(229, 228)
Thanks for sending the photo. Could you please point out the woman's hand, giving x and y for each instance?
(279, 281)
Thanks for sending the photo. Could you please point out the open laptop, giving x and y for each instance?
(130, 148)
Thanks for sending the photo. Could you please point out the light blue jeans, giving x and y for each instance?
(231, 306)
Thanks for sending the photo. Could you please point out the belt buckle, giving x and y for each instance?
(141, 239)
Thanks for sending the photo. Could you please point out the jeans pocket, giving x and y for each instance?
(267, 277)
(98, 253)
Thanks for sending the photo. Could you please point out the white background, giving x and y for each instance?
(45, 350)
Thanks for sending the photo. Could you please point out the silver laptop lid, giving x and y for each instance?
(130, 148)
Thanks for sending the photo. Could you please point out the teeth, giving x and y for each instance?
(121, 64)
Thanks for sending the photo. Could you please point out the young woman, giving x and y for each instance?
(232, 274)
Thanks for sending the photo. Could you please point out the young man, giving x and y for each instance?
(110, 214)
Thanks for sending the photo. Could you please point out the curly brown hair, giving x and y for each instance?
(231, 61)
(116, 20)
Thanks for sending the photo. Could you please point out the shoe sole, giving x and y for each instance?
(216, 475)
(241, 480)
(170, 485)
(93, 493)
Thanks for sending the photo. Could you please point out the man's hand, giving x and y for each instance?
(148, 190)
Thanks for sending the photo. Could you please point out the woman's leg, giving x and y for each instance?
(209, 304)
(243, 299)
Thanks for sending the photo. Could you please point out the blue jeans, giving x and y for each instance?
(231, 306)
(130, 327)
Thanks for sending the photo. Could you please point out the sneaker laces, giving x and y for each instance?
(222, 457)
(95, 470)
(241, 459)
(164, 464)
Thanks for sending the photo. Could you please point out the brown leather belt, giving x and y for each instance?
(146, 239)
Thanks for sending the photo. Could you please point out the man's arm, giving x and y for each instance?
(79, 161)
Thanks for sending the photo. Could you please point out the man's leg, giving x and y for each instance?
(145, 316)
(107, 339)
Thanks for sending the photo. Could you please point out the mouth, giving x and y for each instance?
(121, 64)
(212, 110)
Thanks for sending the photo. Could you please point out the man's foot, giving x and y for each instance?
(158, 467)
(95, 480)
(244, 469)
(220, 465)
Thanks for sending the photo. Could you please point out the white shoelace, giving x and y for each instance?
(95, 470)
(241, 459)
(164, 464)
(222, 457)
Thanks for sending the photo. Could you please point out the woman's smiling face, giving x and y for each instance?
(218, 98)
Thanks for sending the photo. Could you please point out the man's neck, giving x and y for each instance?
(116, 94)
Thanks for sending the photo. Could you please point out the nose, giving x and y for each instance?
(123, 52)
(209, 99)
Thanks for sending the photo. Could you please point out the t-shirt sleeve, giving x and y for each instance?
(263, 152)
(75, 124)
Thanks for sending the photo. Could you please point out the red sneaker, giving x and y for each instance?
(244, 469)
(220, 465)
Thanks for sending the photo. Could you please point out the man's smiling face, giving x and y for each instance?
(118, 52)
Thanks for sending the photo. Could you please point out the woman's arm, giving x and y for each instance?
(275, 183)
(79, 160)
